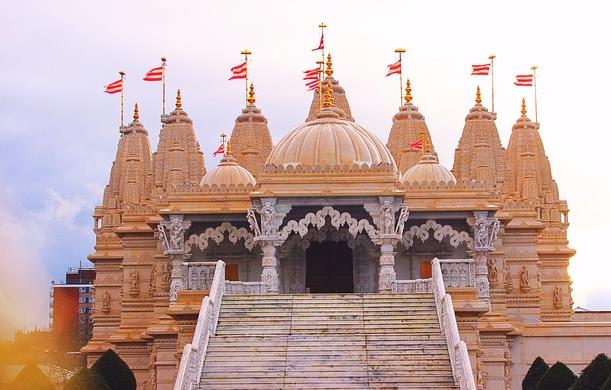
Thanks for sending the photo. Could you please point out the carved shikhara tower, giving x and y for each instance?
(329, 183)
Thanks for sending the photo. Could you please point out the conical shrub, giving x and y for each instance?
(86, 379)
(558, 377)
(534, 374)
(115, 371)
(594, 375)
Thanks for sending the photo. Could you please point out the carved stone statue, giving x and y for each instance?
(493, 272)
(507, 277)
(507, 370)
(134, 287)
(152, 368)
(524, 282)
(166, 276)
(153, 281)
(485, 233)
(558, 298)
(267, 220)
(172, 234)
(403, 215)
(106, 302)
(387, 213)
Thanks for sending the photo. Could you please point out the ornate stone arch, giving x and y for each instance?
(439, 233)
(318, 220)
(218, 235)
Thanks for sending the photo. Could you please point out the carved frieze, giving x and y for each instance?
(439, 233)
(217, 234)
(172, 234)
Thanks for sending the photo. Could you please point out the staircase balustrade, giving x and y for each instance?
(194, 354)
(412, 286)
(459, 357)
(458, 273)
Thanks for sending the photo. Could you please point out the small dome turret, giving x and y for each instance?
(228, 174)
(428, 170)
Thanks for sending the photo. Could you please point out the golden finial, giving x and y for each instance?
(329, 70)
(251, 95)
(408, 92)
(523, 111)
(478, 96)
(178, 100)
(328, 95)
(228, 148)
(136, 113)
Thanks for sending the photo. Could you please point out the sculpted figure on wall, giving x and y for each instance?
(134, 287)
(524, 282)
(485, 233)
(166, 276)
(507, 277)
(172, 234)
(387, 218)
(493, 272)
(106, 302)
(152, 281)
(558, 297)
(267, 220)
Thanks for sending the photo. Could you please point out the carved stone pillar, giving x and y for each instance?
(172, 236)
(390, 228)
(270, 267)
(387, 275)
(485, 231)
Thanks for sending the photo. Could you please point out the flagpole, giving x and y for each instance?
(246, 53)
(223, 140)
(534, 69)
(320, 73)
(491, 58)
(163, 59)
(400, 51)
(122, 74)
(322, 26)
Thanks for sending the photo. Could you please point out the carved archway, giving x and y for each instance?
(318, 220)
(217, 234)
(439, 233)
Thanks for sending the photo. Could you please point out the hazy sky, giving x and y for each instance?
(58, 130)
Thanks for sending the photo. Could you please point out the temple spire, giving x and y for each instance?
(136, 113)
(408, 92)
(329, 69)
(178, 100)
(251, 95)
(478, 96)
(523, 111)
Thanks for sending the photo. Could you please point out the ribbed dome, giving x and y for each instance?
(428, 170)
(228, 173)
(330, 140)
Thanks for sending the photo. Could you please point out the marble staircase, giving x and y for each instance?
(311, 341)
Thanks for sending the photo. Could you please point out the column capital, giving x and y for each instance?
(172, 234)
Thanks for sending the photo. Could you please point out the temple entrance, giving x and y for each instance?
(329, 268)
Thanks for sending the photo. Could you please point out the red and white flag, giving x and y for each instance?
(394, 68)
(239, 71)
(312, 74)
(524, 80)
(155, 74)
(416, 145)
(480, 70)
(219, 150)
(321, 44)
(114, 87)
(313, 85)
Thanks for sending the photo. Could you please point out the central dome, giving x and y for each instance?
(330, 140)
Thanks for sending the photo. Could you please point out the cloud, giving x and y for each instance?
(25, 273)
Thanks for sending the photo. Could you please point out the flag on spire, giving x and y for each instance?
(524, 80)
(114, 87)
(394, 68)
(219, 150)
(239, 71)
(480, 70)
(321, 44)
(312, 77)
(418, 145)
(155, 74)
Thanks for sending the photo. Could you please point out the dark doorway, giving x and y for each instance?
(329, 267)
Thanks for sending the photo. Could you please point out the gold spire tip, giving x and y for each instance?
(251, 95)
(322, 25)
(523, 111)
(478, 96)
(228, 149)
(163, 59)
(136, 113)
(328, 102)
(399, 50)
(329, 70)
(408, 92)
(246, 52)
(178, 100)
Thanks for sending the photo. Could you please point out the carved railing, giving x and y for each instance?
(193, 355)
(458, 273)
(245, 288)
(198, 275)
(412, 286)
(459, 357)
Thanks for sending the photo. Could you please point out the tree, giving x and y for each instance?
(558, 377)
(115, 371)
(31, 378)
(593, 376)
(534, 374)
(86, 379)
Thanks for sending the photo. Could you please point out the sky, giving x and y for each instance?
(59, 131)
